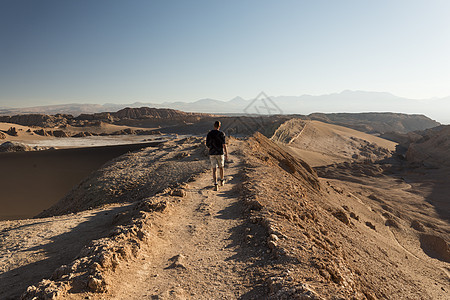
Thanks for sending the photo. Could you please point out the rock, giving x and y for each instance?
(80, 134)
(61, 271)
(417, 226)
(12, 131)
(273, 237)
(60, 133)
(40, 120)
(370, 225)
(14, 147)
(2, 135)
(96, 285)
(274, 283)
(150, 206)
(182, 155)
(42, 132)
(342, 216)
(391, 223)
(178, 261)
(272, 245)
(435, 246)
(177, 192)
(354, 216)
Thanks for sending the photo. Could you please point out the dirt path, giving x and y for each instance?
(196, 251)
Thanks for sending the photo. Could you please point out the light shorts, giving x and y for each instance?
(217, 161)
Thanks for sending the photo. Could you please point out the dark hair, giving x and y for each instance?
(217, 124)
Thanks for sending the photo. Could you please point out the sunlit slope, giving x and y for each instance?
(320, 143)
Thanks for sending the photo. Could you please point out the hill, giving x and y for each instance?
(320, 143)
(431, 149)
(377, 122)
(143, 116)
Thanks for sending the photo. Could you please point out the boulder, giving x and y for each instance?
(12, 131)
(60, 133)
(178, 193)
(14, 147)
(341, 216)
(43, 132)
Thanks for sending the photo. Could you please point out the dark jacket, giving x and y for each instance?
(215, 141)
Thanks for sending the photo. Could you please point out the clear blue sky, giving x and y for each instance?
(61, 51)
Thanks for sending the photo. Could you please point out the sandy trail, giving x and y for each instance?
(195, 252)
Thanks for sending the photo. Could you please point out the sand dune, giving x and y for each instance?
(320, 143)
(33, 181)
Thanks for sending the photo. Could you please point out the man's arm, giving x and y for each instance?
(224, 141)
(208, 141)
(225, 150)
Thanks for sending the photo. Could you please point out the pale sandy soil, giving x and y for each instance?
(33, 139)
(95, 141)
(320, 143)
(23, 135)
(32, 249)
(207, 230)
(353, 236)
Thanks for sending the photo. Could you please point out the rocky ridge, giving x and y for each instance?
(377, 122)
(325, 240)
(131, 177)
(128, 116)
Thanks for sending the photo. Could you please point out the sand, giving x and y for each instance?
(33, 139)
(320, 143)
(32, 249)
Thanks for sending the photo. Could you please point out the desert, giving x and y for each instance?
(310, 210)
(221, 150)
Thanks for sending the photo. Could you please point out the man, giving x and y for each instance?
(215, 141)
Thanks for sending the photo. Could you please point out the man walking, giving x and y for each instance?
(215, 141)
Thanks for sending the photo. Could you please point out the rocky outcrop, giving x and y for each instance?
(377, 122)
(60, 133)
(143, 116)
(14, 147)
(432, 149)
(19, 147)
(435, 246)
(103, 117)
(155, 113)
(40, 120)
(12, 131)
(83, 134)
(279, 157)
(43, 132)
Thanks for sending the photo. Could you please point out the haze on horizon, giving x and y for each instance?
(56, 52)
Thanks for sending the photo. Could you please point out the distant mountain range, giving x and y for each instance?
(346, 101)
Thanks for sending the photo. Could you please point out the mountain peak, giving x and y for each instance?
(236, 99)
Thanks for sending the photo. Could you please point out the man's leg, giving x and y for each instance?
(214, 175)
(221, 173)
(221, 163)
